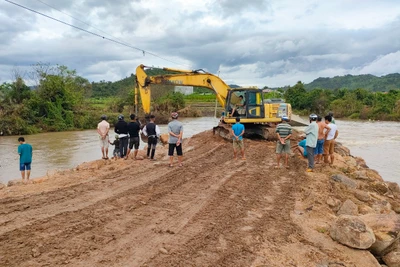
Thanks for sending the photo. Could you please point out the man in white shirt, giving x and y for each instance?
(102, 129)
(329, 143)
(152, 131)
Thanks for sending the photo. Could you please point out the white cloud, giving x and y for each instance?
(260, 42)
(384, 64)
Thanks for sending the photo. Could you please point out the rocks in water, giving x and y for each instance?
(340, 178)
(352, 232)
(374, 175)
(348, 208)
(386, 228)
(341, 150)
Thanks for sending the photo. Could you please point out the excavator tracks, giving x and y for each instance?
(257, 131)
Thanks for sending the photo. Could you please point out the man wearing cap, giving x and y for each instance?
(121, 128)
(102, 129)
(283, 132)
(175, 131)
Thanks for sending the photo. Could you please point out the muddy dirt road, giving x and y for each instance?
(213, 211)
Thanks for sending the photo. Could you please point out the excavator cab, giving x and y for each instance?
(245, 103)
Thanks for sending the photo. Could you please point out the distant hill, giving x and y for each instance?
(367, 81)
(118, 88)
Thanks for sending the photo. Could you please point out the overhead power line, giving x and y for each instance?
(81, 21)
(95, 34)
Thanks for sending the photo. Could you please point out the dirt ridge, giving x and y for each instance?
(214, 211)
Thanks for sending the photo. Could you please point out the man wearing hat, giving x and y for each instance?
(284, 132)
(175, 131)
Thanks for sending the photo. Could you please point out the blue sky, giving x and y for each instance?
(262, 43)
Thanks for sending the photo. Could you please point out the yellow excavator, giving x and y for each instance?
(256, 113)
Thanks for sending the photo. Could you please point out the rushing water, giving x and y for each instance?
(377, 142)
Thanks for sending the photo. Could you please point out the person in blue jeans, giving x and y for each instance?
(237, 132)
(319, 149)
(25, 159)
(301, 146)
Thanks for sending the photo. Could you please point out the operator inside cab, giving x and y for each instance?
(239, 109)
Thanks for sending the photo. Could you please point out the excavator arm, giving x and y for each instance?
(197, 78)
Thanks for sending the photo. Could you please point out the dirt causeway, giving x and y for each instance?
(213, 211)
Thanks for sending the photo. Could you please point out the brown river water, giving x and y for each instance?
(377, 142)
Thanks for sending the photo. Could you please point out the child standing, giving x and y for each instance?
(25, 159)
(116, 142)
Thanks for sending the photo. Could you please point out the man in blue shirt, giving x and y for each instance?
(25, 158)
(237, 133)
(301, 146)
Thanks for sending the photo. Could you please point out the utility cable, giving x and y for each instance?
(95, 34)
(81, 21)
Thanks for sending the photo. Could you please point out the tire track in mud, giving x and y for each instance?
(252, 208)
(212, 212)
(71, 225)
(23, 209)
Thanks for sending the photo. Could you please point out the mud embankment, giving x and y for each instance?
(213, 211)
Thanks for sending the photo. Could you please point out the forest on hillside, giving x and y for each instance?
(62, 100)
(353, 82)
(354, 104)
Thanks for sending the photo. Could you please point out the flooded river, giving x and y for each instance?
(377, 142)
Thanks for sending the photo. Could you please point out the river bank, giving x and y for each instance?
(214, 211)
(66, 150)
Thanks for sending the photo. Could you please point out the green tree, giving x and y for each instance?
(297, 96)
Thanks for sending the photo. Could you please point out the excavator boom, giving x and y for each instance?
(184, 77)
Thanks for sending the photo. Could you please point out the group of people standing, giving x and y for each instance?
(127, 137)
(318, 141)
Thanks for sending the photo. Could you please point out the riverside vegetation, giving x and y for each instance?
(62, 100)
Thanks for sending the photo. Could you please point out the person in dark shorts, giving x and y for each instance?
(25, 159)
(133, 130)
(152, 131)
(121, 128)
(175, 131)
(283, 132)
(237, 132)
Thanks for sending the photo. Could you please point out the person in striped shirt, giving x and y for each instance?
(284, 132)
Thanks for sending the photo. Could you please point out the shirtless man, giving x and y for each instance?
(329, 143)
(319, 149)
